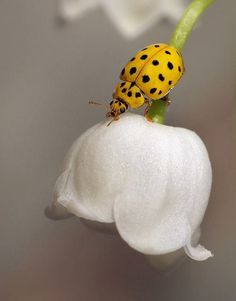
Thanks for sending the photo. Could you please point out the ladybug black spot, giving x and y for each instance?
(157, 46)
(146, 78)
(167, 52)
(153, 90)
(132, 84)
(143, 57)
(155, 62)
(123, 90)
(161, 77)
(132, 70)
(122, 84)
(144, 48)
(111, 102)
(129, 93)
(159, 92)
(170, 65)
(126, 105)
(170, 82)
(133, 58)
(137, 94)
(123, 71)
(179, 69)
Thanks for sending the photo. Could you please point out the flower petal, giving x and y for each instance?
(167, 190)
(68, 10)
(199, 252)
(152, 180)
(131, 17)
(173, 9)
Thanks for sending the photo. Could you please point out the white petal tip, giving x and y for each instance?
(198, 253)
(68, 15)
(56, 211)
(70, 10)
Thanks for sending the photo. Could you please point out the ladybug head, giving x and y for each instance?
(117, 107)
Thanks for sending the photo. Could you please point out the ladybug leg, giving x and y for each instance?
(117, 117)
(167, 99)
(148, 105)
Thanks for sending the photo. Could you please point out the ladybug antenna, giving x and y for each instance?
(99, 104)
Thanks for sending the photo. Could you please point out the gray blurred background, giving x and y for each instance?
(48, 72)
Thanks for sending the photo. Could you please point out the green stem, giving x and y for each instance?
(157, 110)
(185, 25)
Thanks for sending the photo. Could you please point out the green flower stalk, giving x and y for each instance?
(157, 110)
(185, 25)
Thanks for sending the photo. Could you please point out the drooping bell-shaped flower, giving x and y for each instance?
(131, 17)
(153, 181)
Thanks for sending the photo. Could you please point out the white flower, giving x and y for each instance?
(131, 17)
(153, 181)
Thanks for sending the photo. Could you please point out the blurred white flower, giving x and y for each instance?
(131, 17)
(153, 181)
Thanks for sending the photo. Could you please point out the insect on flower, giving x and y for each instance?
(149, 75)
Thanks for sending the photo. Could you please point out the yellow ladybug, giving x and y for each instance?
(149, 75)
